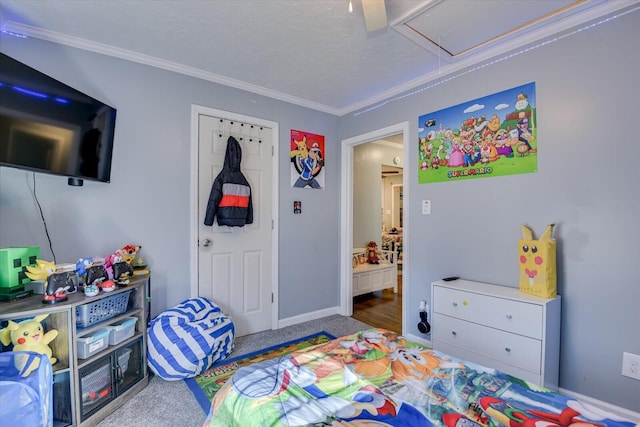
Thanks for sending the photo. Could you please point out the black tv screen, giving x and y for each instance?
(48, 126)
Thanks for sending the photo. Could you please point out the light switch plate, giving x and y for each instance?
(426, 207)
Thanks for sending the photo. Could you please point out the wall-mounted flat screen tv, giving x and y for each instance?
(48, 126)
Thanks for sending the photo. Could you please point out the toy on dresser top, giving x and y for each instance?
(538, 270)
(118, 264)
(90, 274)
(106, 273)
(59, 280)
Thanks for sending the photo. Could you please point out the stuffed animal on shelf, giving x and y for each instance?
(373, 253)
(538, 263)
(125, 254)
(29, 335)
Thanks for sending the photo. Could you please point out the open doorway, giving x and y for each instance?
(377, 288)
(359, 228)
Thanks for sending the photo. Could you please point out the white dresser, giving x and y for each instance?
(498, 327)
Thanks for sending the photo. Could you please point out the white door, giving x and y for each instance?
(235, 263)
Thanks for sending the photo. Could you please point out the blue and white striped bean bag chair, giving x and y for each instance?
(185, 340)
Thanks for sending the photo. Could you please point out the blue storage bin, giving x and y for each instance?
(26, 394)
(121, 330)
(93, 343)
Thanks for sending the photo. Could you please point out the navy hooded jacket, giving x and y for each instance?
(230, 197)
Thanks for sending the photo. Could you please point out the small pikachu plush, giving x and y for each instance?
(29, 335)
(538, 263)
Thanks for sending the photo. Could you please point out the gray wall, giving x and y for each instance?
(367, 191)
(391, 201)
(586, 92)
(147, 201)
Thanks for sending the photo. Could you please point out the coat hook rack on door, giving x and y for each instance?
(238, 130)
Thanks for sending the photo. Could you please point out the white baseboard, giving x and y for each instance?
(419, 340)
(609, 407)
(306, 317)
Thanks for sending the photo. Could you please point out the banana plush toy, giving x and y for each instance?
(538, 263)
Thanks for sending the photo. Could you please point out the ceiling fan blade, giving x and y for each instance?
(375, 14)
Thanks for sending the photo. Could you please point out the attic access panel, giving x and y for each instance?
(451, 29)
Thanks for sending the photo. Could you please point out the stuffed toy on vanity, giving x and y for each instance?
(538, 263)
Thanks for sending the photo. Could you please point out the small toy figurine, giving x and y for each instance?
(125, 254)
(108, 286)
(81, 268)
(56, 283)
(57, 286)
(41, 271)
(91, 290)
(96, 274)
(122, 271)
(372, 253)
(29, 335)
(140, 265)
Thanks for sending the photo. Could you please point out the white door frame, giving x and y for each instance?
(196, 111)
(394, 217)
(346, 214)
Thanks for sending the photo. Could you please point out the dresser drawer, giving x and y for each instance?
(519, 317)
(507, 348)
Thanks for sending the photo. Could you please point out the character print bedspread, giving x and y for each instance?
(378, 378)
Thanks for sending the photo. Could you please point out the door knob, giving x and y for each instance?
(206, 243)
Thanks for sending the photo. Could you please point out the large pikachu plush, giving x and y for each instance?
(538, 263)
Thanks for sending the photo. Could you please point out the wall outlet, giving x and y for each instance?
(631, 365)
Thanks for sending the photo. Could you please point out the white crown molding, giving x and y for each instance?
(76, 42)
(546, 32)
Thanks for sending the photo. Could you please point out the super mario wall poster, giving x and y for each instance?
(491, 136)
(307, 160)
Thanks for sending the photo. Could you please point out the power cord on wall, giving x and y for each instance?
(46, 230)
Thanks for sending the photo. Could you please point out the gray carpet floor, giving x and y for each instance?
(170, 403)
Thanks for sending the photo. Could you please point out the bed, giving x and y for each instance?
(378, 378)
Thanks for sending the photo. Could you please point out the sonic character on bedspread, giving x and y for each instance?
(378, 378)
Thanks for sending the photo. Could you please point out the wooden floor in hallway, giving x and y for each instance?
(381, 309)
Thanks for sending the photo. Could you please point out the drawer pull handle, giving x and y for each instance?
(509, 316)
(507, 349)
(454, 333)
(455, 304)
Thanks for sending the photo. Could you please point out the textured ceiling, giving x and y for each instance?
(309, 52)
